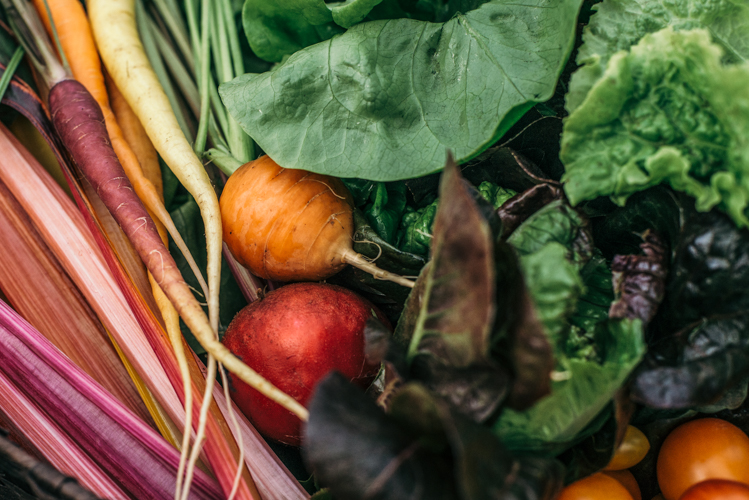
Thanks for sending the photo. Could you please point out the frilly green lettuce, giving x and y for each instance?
(666, 111)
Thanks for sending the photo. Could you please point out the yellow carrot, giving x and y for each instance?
(78, 44)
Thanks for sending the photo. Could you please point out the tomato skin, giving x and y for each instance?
(627, 479)
(707, 448)
(717, 488)
(596, 487)
(633, 448)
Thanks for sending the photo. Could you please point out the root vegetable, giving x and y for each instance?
(294, 337)
(291, 225)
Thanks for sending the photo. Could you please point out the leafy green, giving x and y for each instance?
(699, 339)
(570, 286)
(422, 449)
(667, 111)
(559, 223)
(415, 232)
(496, 195)
(279, 28)
(555, 285)
(383, 100)
(619, 24)
(555, 422)
(386, 295)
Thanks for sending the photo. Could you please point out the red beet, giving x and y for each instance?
(294, 337)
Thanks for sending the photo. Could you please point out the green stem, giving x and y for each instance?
(231, 27)
(238, 141)
(177, 29)
(10, 70)
(205, 60)
(158, 66)
(57, 38)
(181, 75)
(224, 161)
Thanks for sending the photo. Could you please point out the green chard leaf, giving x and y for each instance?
(383, 100)
(667, 111)
(619, 24)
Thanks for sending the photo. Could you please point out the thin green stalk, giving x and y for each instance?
(10, 70)
(224, 161)
(238, 140)
(177, 29)
(205, 60)
(231, 28)
(56, 38)
(181, 75)
(218, 107)
(154, 57)
(192, 25)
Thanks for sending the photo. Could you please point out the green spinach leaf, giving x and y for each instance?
(383, 100)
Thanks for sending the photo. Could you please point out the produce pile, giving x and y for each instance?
(433, 249)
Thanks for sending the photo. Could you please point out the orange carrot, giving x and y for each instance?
(77, 42)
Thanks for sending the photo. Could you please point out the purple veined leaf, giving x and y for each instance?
(137, 458)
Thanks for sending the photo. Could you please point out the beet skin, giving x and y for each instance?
(294, 337)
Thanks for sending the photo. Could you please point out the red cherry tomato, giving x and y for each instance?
(717, 488)
(628, 481)
(707, 448)
(633, 448)
(596, 487)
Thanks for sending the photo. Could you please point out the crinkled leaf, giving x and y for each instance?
(383, 100)
(700, 337)
(415, 232)
(554, 423)
(619, 24)
(494, 194)
(555, 285)
(667, 111)
(640, 280)
(386, 209)
(710, 271)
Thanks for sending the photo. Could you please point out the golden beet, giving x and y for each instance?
(291, 225)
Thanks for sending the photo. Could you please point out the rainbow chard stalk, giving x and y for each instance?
(137, 459)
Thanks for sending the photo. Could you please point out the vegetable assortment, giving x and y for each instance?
(544, 205)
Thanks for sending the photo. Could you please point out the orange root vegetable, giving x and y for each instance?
(291, 225)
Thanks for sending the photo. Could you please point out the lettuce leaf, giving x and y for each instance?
(383, 100)
(570, 285)
(667, 111)
(619, 24)
(555, 422)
